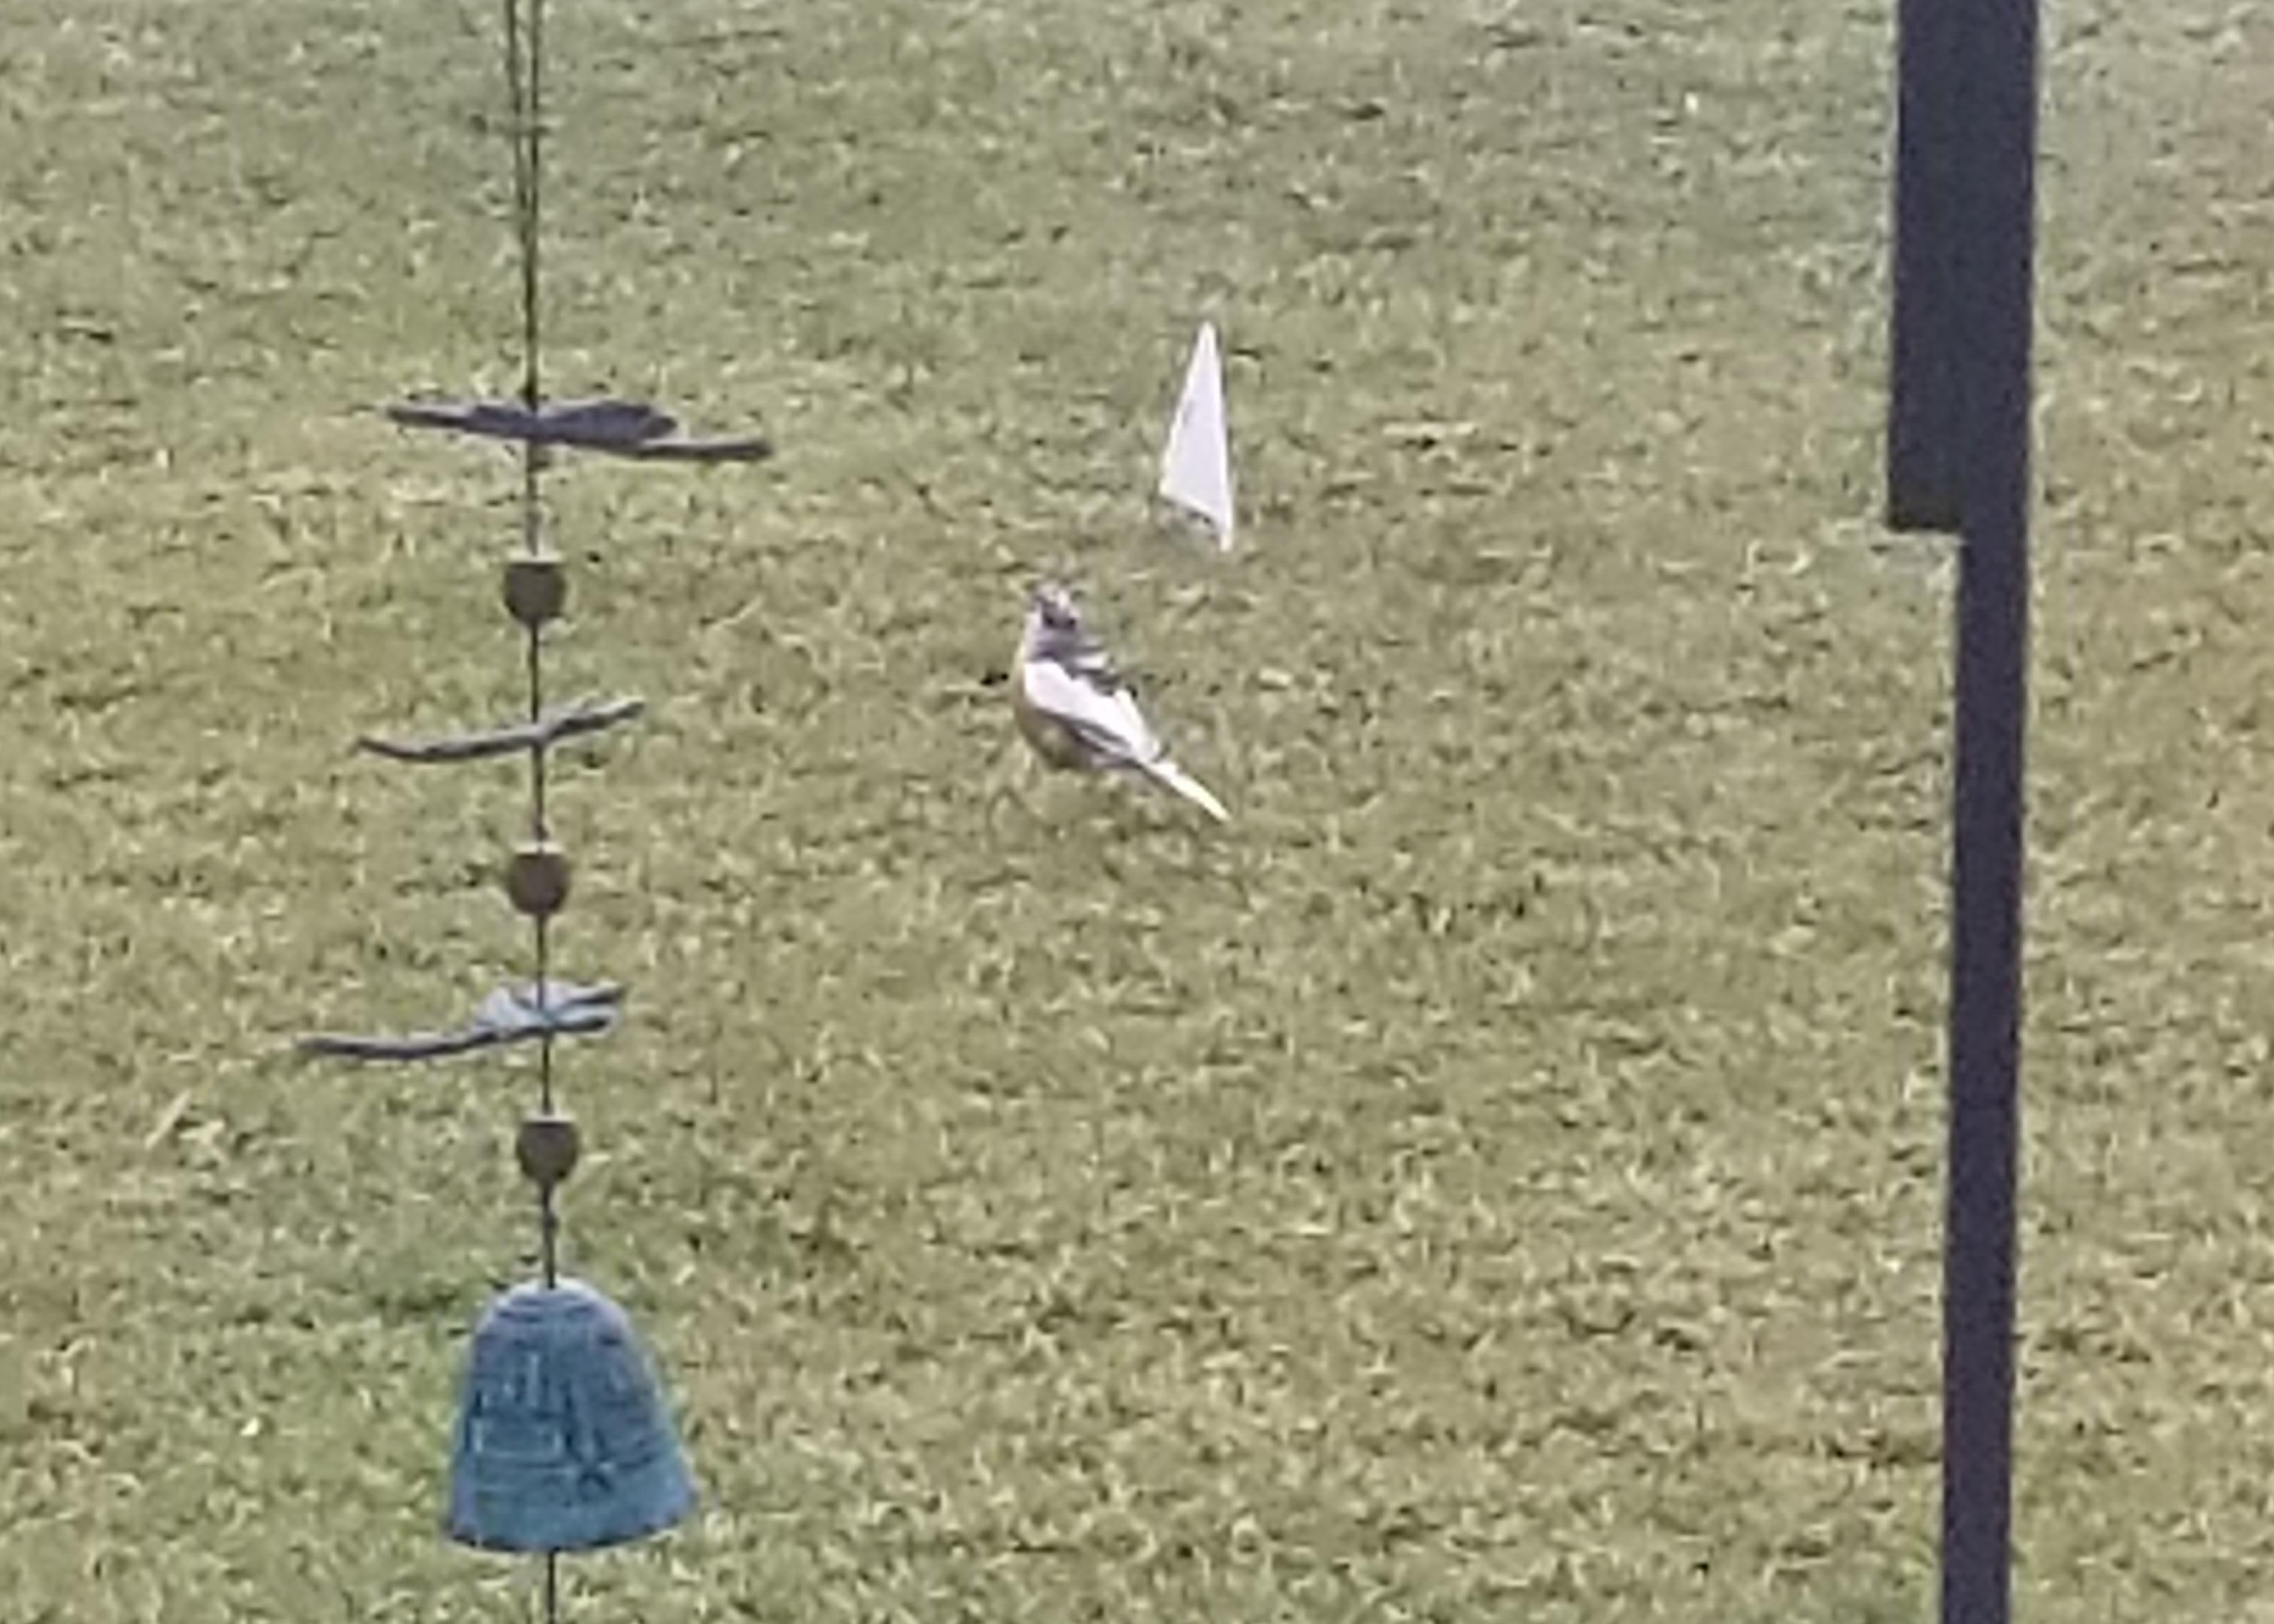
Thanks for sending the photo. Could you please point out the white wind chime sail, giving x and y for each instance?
(1196, 464)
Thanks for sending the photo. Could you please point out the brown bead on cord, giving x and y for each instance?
(537, 879)
(536, 588)
(546, 1148)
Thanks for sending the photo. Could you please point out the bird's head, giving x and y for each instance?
(1051, 608)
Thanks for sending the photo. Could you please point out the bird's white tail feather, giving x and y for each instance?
(1169, 774)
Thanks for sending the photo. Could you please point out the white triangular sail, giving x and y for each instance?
(1196, 466)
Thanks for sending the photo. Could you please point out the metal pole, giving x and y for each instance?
(1923, 336)
(1959, 439)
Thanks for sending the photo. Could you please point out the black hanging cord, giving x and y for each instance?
(524, 73)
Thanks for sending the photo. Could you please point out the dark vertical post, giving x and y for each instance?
(1959, 439)
(1924, 337)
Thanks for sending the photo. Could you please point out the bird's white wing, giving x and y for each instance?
(1105, 719)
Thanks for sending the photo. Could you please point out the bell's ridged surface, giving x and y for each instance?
(563, 1441)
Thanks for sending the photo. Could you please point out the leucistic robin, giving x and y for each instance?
(1076, 710)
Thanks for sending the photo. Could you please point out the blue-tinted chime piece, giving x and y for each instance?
(563, 1439)
(508, 1015)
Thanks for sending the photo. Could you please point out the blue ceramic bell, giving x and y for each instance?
(563, 1441)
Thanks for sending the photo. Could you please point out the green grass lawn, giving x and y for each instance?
(1498, 1179)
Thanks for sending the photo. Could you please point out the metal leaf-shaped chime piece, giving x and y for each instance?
(563, 1441)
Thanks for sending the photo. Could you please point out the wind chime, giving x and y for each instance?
(563, 1441)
